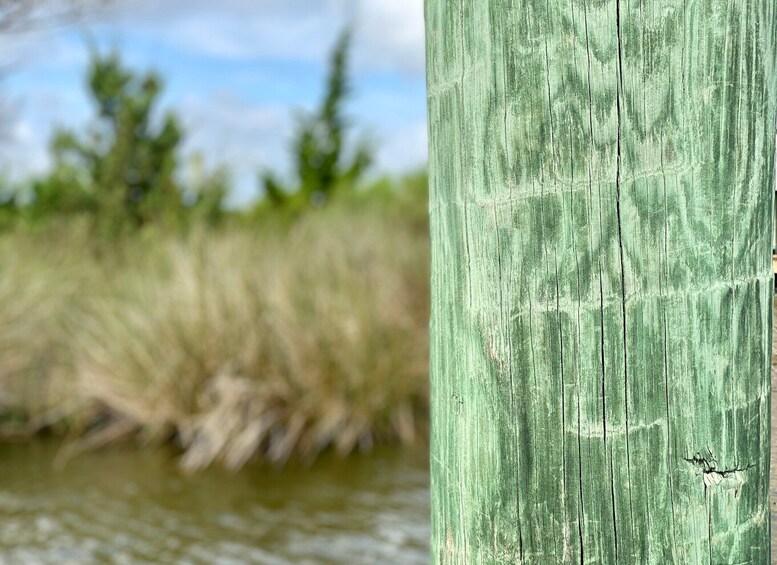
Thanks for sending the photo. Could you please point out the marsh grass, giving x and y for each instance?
(40, 289)
(234, 344)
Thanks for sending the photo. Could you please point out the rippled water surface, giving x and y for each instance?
(121, 506)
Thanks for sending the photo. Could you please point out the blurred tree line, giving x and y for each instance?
(123, 172)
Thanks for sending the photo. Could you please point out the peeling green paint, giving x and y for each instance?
(601, 197)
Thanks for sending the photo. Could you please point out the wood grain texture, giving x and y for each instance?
(601, 324)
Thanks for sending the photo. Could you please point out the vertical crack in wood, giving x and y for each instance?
(722, 150)
(554, 176)
(462, 160)
(601, 291)
(563, 414)
(501, 309)
(664, 282)
(612, 497)
(580, 506)
(618, 183)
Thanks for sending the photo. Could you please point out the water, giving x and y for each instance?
(122, 506)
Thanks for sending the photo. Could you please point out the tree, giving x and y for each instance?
(601, 188)
(123, 172)
(318, 148)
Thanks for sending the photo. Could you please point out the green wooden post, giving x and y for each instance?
(601, 190)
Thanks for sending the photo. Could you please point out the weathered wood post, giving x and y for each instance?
(601, 222)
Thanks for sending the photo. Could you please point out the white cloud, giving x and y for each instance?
(236, 29)
(404, 148)
(226, 36)
(233, 129)
(246, 137)
(33, 106)
(30, 148)
(390, 33)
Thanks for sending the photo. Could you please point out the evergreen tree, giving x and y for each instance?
(123, 171)
(321, 161)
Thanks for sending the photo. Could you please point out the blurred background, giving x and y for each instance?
(213, 282)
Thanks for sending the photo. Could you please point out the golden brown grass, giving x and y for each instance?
(40, 288)
(234, 344)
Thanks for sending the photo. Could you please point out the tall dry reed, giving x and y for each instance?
(235, 344)
(41, 288)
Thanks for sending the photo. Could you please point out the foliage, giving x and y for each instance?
(223, 340)
(322, 164)
(122, 173)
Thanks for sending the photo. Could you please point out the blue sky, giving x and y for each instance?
(235, 70)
